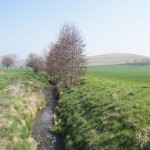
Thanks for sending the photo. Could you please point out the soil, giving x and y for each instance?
(2, 72)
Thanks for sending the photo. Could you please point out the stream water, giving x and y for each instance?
(47, 140)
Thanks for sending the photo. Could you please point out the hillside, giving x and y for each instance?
(114, 59)
(109, 111)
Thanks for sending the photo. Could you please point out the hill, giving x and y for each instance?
(115, 58)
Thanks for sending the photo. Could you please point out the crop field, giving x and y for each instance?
(21, 95)
(111, 110)
(137, 75)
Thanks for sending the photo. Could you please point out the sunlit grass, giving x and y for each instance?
(124, 74)
(21, 97)
(110, 111)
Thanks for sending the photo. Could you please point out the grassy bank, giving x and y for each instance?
(106, 113)
(21, 96)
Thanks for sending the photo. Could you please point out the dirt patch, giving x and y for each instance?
(2, 72)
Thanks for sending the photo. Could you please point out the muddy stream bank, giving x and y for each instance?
(47, 140)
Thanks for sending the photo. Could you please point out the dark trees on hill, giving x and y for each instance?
(139, 62)
(66, 59)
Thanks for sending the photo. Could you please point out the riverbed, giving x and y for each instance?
(45, 138)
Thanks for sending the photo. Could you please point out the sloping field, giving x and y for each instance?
(106, 113)
(113, 59)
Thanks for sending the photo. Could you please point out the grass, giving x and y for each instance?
(21, 96)
(124, 74)
(110, 111)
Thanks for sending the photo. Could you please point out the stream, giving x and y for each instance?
(45, 138)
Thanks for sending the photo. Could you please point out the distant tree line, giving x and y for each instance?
(138, 62)
(64, 60)
(11, 60)
(8, 60)
(36, 62)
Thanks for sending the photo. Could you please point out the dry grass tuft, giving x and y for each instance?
(16, 89)
(32, 143)
(21, 101)
(143, 137)
(5, 123)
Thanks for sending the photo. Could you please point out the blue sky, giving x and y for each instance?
(108, 26)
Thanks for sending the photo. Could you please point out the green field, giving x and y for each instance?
(132, 75)
(110, 111)
(21, 95)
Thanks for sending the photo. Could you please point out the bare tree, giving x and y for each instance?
(7, 61)
(66, 60)
(36, 62)
(44, 53)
